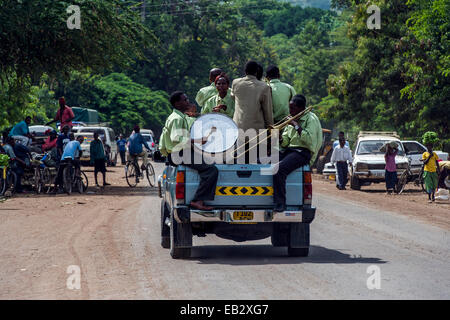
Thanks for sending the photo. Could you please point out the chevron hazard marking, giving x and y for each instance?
(244, 191)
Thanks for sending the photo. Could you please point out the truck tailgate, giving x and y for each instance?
(242, 185)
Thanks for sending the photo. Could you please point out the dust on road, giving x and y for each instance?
(113, 236)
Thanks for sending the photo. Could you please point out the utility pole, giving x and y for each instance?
(143, 9)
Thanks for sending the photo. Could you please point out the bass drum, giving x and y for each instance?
(220, 130)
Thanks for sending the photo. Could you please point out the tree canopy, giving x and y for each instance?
(130, 55)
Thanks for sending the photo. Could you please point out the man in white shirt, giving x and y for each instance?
(341, 154)
(341, 136)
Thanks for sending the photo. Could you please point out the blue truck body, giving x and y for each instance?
(243, 208)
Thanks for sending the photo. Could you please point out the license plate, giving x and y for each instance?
(378, 174)
(243, 215)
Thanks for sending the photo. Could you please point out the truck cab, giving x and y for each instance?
(243, 208)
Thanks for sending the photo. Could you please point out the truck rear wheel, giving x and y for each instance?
(298, 245)
(165, 230)
(280, 235)
(180, 239)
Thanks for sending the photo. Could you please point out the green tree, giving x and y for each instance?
(427, 50)
(120, 101)
(192, 39)
(35, 40)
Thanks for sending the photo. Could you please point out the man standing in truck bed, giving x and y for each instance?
(302, 140)
(175, 139)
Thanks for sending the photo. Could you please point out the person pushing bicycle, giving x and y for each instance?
(135, 149)
(71, 154)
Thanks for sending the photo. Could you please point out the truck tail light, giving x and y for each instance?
(179, 187)
(153, 144)
(307, 187)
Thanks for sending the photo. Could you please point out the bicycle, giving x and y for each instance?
(133, 172)
(408, 176)
(8, 180)
(73, 176)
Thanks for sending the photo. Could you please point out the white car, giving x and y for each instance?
(108, 137)
(414, 151)
(150, 142)
(86, 145)
(368, 164)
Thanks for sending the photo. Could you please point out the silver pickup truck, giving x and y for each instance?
(243, 208)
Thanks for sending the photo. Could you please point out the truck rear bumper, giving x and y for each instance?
(184, 214)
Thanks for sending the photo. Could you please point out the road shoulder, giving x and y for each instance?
(411, 203)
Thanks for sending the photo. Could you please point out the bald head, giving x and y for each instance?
(214, 73)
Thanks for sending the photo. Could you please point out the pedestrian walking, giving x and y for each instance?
(98, 159)
(390, 173)
(122, 146)
(431, 165)
(341, 154)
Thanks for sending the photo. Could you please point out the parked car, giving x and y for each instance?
(86, 145)
(151, 143)
(109, 139)
(414, 151)
(368, 164)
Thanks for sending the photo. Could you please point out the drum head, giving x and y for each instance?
(220, 140)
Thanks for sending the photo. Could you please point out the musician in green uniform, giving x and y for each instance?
(282, 93)
(175, 138)
(301, 141)
(207, 92)
(222, 101)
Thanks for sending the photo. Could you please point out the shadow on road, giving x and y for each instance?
(409, 191)
(267, 254)
(121, 191)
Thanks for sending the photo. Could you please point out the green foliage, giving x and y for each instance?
(35, 37)
(430, 137)
(35, 41)
(120, 101)
(398, 79)
(292, 20)
(322, 4)
(192, 39)
(18, 100)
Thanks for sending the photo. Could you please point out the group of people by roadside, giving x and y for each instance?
(60, 148)
(435, 170)
(252, 104)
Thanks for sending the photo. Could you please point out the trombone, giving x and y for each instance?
(277, 126)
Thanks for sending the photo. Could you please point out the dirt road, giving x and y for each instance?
(113, 237)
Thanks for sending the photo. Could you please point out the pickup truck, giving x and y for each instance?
(243, 208)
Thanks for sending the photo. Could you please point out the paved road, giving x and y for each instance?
(347, 239)
(114, 239)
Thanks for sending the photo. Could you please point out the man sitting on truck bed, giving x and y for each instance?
(302, 141)
(171, 142)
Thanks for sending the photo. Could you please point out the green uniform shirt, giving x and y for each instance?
(190, 121)
(175, 134)
(216, 100)
(311, 137)
(205, 93)
(282, 93)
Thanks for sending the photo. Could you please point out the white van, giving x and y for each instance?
(109, 140)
